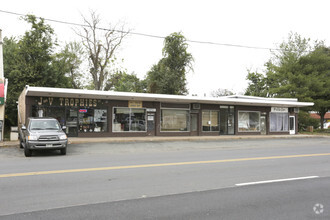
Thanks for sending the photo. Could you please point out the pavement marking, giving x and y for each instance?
(275, 181)
(36, 173)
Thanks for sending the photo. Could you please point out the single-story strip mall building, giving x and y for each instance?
(90, 113)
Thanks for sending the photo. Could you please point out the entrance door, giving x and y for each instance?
(227, 120)
(193, 124)
(263, 126)
(292, 125)
(72, 122)
(151, 124)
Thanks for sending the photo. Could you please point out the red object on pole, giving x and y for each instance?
(2, 90)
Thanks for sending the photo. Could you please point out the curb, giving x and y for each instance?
(185, 138)
(9, 144)
(76, 140)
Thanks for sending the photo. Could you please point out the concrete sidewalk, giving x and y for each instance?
(79, 140)
(76, 140)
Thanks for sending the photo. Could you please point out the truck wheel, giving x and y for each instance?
(63, 151)
(27, 152)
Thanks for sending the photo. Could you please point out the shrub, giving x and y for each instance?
(304, 120)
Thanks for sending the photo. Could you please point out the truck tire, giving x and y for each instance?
(63, 151)
(27, 152)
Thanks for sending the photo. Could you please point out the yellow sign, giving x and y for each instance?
(135, 104)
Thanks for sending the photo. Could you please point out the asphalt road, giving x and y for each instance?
(169, 180)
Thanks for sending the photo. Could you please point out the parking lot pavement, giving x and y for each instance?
(81, 146)
(79, 140)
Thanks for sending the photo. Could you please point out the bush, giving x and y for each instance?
(304, 120)
(327, 131)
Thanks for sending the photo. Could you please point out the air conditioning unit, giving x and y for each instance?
(196, 106)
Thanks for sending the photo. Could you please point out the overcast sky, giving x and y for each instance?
(249, 23)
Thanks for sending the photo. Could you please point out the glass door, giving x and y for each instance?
(263, 129)
(72, 122)
(227, 120)
(231, 120)
(194, 124)
(292, 125)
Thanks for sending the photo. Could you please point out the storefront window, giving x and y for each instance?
(174, 120)
(92, 120)
(138, 122)
(248, 121)
(129, 119)
(100, 120)
(279, 122)
(54, 112)
(210, 120)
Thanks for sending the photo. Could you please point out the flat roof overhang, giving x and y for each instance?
(127, 96)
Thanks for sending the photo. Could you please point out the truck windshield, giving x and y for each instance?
(44, 125)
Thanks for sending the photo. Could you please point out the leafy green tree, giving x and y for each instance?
(35, 52)
(283, 68)
(123, 82)
(10, 62)
(314, 82)
(257, 85)
(30, 61)
(169, 75)
(300, 69)
(68, 63)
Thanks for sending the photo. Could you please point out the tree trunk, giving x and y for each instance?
(322, 120)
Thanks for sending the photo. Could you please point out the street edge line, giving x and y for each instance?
(276, 180)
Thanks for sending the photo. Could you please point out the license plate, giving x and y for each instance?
(49, 145)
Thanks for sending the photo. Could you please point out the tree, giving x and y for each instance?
(100, 48)
(68, 62)
(169, 75)
(257, 85)
(30, 61)
(300, 69)
(11, 72)
(221, 92)
(123, 82)
(314, 82)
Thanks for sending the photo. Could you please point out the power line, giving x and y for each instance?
(143, 34)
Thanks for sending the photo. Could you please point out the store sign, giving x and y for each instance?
(73, 102)
(83, 110)
(135, 104)
(151, 110)
(279, 109)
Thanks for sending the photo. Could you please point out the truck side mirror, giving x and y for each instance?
(23, 127)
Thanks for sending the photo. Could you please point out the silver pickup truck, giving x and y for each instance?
(41, 134)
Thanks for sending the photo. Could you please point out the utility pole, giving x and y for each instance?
(2, 92)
